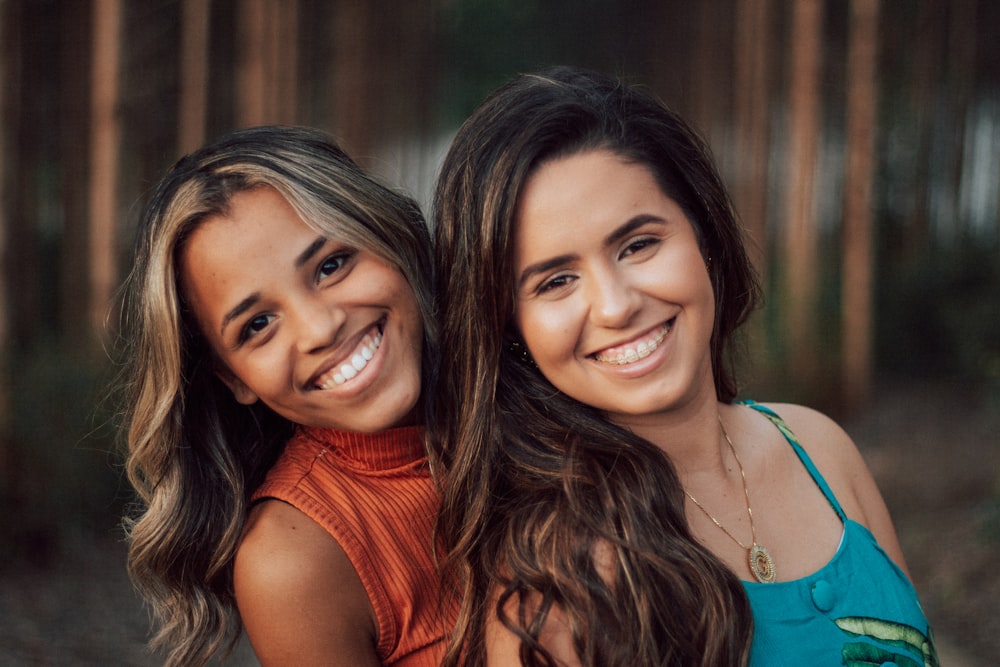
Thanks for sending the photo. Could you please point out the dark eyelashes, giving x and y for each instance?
(552, 283)
(632, 247)
(640, 244)
(331, 265)
(340, 258)
(246, 332)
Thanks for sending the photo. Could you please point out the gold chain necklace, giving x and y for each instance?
(759, 559)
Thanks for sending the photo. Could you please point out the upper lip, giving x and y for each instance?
(342, 353)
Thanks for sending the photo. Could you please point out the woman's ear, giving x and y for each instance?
(242, 393)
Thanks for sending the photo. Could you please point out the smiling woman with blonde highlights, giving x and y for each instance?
(279, 332)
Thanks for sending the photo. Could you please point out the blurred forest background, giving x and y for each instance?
(860, 140)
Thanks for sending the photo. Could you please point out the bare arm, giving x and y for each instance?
(872, 508)
(300, 598)
(502, 645)
(556, 637)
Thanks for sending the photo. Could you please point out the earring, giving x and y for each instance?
(520, 350)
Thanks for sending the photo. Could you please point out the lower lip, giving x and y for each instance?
(642, 366)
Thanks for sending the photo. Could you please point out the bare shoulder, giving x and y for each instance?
(840, 463)
(300, 599)
(829, 446)
(817, 433)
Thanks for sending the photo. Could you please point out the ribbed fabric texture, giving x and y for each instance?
(373, 493)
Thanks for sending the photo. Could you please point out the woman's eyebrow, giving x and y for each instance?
(308, 253)
(543, 266)
(612, 238)
(630, 226)
(240, 308)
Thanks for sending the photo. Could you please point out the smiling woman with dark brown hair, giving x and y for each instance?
(605, 500)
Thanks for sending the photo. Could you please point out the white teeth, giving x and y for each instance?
(357, 363)
(641, 351)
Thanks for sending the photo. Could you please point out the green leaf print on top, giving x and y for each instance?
(917, 645)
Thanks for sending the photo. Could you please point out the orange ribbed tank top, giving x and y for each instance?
(374, 494)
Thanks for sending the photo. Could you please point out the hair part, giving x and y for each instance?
(533, 479)
(194, 454)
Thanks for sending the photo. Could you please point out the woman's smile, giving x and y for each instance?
(631, 352)
(356, 362)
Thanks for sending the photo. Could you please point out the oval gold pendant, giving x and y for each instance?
(761, 564)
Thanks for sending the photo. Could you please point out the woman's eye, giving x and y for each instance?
(333, 263)
(554, 283)
(256, 324)
(638, 244)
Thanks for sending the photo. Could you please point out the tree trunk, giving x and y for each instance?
(268, 59)
(709, 68)
(751, 144)
(22, 289)
(195, 18)
(7, 59)
(251, 75)
(104, 155)
(753, 128)
(856, 272)
(74, 154)
(801, 235)
(285, 54)
(353, 76)
(925, 86)
(962, 74)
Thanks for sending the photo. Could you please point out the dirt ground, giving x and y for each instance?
(934, 449)
(81, 613)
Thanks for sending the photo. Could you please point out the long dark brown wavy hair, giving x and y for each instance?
(532, 480)
(194, 454)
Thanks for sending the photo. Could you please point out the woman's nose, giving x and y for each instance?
(317, 323)
(613, 300)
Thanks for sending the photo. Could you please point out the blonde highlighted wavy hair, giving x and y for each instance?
(194, 455)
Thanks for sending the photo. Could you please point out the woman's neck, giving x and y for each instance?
(689, 435)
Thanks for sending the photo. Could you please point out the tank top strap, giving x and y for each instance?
(800, 452)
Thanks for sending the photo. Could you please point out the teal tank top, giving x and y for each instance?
(858, 609)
